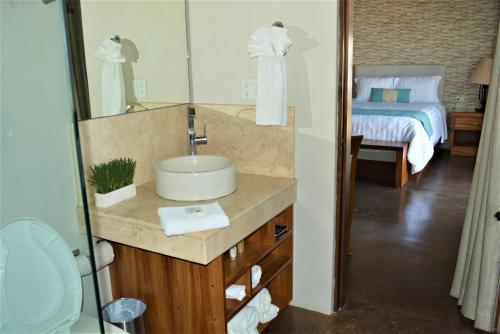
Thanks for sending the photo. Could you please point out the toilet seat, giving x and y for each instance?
(40, 284)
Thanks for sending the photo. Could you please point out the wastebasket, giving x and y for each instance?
(126, 313)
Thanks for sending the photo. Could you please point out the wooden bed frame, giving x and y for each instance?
(401, 175)
(401, 149)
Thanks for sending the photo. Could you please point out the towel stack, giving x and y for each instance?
(259, 309)
(256, 275)
(181, 220)
(236, 291)
(245, 322)
(262, 302)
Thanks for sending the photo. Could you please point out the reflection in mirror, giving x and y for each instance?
(135, 55)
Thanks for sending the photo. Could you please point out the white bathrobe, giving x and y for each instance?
(112, 85)
(271, 46)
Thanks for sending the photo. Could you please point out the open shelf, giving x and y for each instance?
(233, 306)
(275, 268)
(275, 257)
(280, 289)
(271, 266)
(254, 252)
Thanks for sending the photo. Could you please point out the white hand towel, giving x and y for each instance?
(112, 84)
(245, 322)
(175, 220)
(256, 275)
(236, 291)
(271, 46)
(262, 302)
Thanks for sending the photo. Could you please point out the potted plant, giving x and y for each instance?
(113, 180)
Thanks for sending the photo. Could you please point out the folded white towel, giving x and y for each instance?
(175, 220)
(256, 275)
(245, 322)
(236, 291)
(262, 302)
(271, 46)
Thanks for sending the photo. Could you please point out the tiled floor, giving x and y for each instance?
(405, 244)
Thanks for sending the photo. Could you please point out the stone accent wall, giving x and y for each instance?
(457, 33)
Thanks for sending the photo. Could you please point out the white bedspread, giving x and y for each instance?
(405, 129)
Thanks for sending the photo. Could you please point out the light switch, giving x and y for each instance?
(248, 89)
(140, 91)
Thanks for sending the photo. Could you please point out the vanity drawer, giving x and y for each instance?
(468, 123)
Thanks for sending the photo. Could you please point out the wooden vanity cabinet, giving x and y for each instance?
(186, 297)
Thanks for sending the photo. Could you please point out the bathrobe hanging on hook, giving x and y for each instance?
(112, 85)
(271, 46)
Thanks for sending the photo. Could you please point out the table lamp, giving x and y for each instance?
(481, 76)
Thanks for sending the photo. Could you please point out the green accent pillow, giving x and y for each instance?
(390, 95)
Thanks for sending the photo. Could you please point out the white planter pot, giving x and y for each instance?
(116, 196)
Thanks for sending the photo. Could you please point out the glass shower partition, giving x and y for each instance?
(40, 174)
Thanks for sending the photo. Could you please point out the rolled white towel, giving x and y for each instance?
(262, 302)
(245, 322)
(236, 291)
(175, 220)
(256, 275)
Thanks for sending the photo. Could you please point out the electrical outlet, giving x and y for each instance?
(460, 99)
(140, 90)
(248, 89)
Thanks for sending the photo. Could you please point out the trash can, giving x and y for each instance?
(126, 313)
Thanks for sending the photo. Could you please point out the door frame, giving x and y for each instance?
(343, 165)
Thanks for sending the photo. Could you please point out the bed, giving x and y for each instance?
(412, 139)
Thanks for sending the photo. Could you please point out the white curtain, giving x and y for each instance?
(477, 279)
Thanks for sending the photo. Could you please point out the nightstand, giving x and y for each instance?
(465, 133)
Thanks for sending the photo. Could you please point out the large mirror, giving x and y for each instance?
(127, 56)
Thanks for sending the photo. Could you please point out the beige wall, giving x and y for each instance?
(153, 42)
(458, 33)
(219, 35)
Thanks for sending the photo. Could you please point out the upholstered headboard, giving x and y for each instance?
(403, 70)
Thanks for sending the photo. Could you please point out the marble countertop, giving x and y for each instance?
(135, 222)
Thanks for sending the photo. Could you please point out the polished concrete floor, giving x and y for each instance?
(405, 244)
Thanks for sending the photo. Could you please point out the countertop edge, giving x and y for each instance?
(251, 221)
(134, 233)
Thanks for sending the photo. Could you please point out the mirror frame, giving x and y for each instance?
(76, 54)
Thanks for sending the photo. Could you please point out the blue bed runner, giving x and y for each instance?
(420, 116)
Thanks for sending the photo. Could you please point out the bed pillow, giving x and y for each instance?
(390, 95)
(365, 84)
(423, 88)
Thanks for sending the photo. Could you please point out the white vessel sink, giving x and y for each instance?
(195, 177)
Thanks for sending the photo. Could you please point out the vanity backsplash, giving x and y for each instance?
(231, 131)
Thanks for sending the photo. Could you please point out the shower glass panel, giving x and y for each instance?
(39, 165)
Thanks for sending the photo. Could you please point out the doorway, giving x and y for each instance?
(404, 241)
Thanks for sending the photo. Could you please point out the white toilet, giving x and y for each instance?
(40, 284)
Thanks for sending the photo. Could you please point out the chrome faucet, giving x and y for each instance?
(193, 140)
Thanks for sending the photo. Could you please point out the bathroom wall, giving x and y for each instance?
(153, 42)
(38, 170)
(220, 31)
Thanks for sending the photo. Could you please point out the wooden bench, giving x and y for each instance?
(401, 149)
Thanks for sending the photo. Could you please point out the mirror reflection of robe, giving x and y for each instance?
(112, 85)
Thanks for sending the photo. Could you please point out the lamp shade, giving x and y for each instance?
(482, 73)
